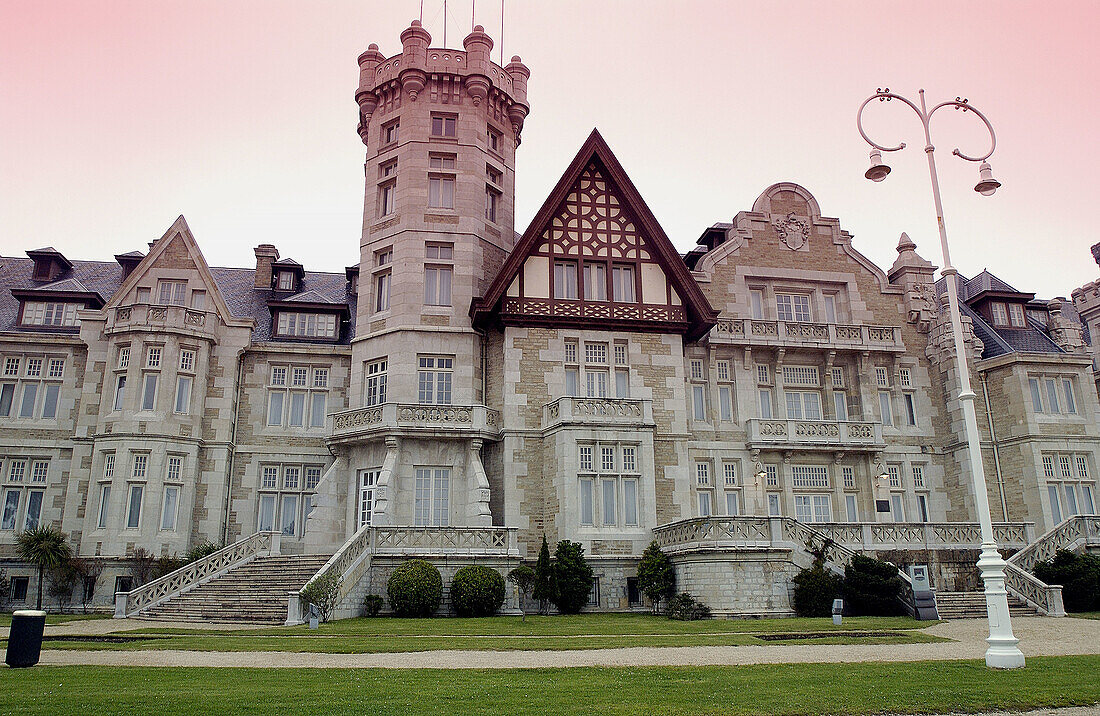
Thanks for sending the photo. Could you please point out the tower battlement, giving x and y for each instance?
(447, 75)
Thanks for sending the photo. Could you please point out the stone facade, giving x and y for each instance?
(580, 381)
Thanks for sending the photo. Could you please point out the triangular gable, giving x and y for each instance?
(595, 215)
(177, 249)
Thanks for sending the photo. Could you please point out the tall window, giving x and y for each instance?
(492, 203)
(886, 407)
(306, 325)
(803, 404)
(170, 507)
(367, 481)
(285, 498)
(387, 192)
(1070, 484)
(756, 303)
(444, 125)
(1053, 395)
(441, 187)
(375, 393)
(595, 281)
(184, 380)
(608, 485)
(437, 278)
(1016, 315)
(390, 132)
(31, 387)
(434, 380)
(133, 508)
(622, 279)
(382, 274)
(494, 139)
(565, 279)
(297, 396)
(432, 498)
(725, 390)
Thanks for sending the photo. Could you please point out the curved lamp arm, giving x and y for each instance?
(964, 105)
(885, 95)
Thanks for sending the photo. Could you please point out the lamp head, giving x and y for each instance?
(986, 185)
(878, 170)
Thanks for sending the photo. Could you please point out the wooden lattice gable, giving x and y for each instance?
(594, 256)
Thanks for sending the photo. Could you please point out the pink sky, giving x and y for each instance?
(115, 117)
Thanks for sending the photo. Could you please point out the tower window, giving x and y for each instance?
(444, 126)
(386, 194)
(492, 202)
(390, 133)
(494, 139)
(441, 192)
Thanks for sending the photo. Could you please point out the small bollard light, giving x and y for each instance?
(313, 616)
(838, 611)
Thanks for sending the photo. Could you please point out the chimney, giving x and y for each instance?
(266, 256)
(129, 262)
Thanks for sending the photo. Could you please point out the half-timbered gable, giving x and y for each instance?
(595, 257)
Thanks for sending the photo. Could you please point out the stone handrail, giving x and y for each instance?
(923, 535)
(354, 557)
(414, 417)
(839, 433)
(160, 315)
(1073, 532)
(603, 411)
(191, 575)
(751, 330)
(1046, 598)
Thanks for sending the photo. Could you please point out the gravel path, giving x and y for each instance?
(1038, 636)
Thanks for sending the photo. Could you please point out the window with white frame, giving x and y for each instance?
(441, 187)
(608, 483)
(296, 324)
(793, 307)
(813, 508)
(918, 476)
(594, 370)
(375, 392)
(169, 509)
(23, 492)
(801, 376)
(803, 404)
(565, 279)
(622, 283)
(809, 476)
(848, 476)
(30, 387)
(894, 474)
(1053, 395)
(1069, 483)
(390, 132)
(286, 497)
(1016, 315)
(284, 280)
(434, 380)
(830, 308)
(909, 408)
(905, 377)
(725, 390)
(756, 303)
(135, 494)
(698, 389)
(882, 377)
(368, 480)
(704, 488)
(850, 508)
(438, 277)
(886, 407)
(622, 369)
(838, 377)
(50, 314)
(840, 405)
(771, 475)
(731, 488)
(297, 396)
(381, 276)
(172, 293)
(432, 498)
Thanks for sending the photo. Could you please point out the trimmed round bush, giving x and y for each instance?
(477, 591)
(415, 589)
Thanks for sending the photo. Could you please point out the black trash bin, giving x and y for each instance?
(25, 639)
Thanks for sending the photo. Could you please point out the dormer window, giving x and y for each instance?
(50, 314)
(999, 313)
(1016, 315)
(285, 281)
(293, 324)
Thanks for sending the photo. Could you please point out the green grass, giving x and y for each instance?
(5, 618)
(1084, 615)
(586, 631)
(766, 689)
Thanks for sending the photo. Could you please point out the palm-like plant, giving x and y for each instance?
(46, 548)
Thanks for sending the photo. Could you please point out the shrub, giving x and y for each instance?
(543, 589)
(523, 577)
(686, 608)
(656, 576)
(1079, 575)
(202, 549)
(815, 588)
(415, 589)
(871, 587)
(572, 577)
(477, 591)
(322, 593)
(372, 604)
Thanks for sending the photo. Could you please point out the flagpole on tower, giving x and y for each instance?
(502, 33)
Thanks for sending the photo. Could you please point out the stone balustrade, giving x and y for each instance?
(825, 433)
(750, 532)
(189, 576)
(402, 418)
(612, 412)
(146, 316)
(750, 331)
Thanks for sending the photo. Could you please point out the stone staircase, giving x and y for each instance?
(256, 592)
(971, 605)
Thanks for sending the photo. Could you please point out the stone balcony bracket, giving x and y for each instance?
(412, 420)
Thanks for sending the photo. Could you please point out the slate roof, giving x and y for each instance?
(1032, 339)
(236, 286)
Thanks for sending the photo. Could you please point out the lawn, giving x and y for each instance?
(586, 631)
(1085, 615)
(767, 689)
(5, 618)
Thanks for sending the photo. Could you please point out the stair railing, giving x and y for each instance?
(189, 576)
(1071, 534)
(349, 563)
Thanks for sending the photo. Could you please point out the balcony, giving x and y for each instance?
(814, 434)
(146, 317)
(607, 412)
(790, 334)
(439, 421)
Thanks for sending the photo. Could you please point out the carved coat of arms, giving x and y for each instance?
(793, 232)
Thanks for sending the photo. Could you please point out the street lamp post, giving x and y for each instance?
(1003, 652)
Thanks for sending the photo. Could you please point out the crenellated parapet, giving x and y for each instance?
(463, 74)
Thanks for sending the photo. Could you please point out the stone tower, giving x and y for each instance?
(441, 127)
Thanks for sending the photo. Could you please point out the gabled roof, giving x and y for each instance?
(51, 252)
(312, 298)
(986, 285)
(69, 288)
(700, 315)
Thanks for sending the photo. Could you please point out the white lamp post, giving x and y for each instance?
(1003, 652)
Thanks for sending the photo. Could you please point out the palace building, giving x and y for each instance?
(466, 390)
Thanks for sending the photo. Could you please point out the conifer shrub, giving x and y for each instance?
(415, 589)
(477, 591)
(1079, 575)
(656, 576)
(372, 604)
(543, 588)
(572, 578)
(815, 588)
(686, 608)
(871, 587)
